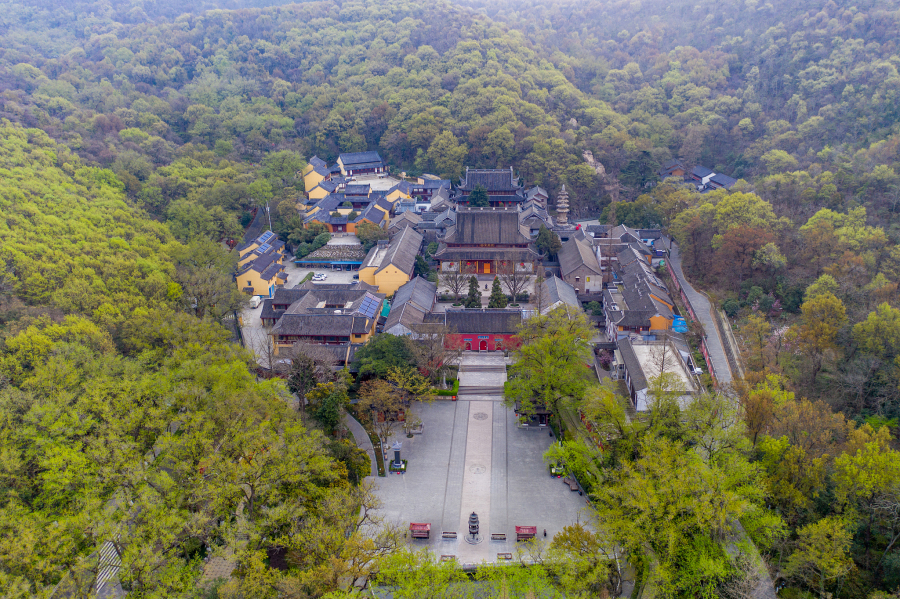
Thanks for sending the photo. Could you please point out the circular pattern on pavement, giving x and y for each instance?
(477, 469)
(480, 416)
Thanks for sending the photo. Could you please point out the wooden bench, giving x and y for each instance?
(498, 536)
(448, 535)
(506, 556)
(573, 486)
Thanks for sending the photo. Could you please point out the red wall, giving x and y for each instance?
(507, 341)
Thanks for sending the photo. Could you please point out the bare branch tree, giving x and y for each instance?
(380, 404)
(454, 281)
(514, 274)
(308, 366)
(433, 349)
(260, 343)
(539, 295)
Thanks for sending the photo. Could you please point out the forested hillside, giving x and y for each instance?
(124, 416)
(735, 79)
(135, 138)
(172, 106)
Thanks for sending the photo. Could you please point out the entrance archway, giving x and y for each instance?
(468, 346)
(483, 346)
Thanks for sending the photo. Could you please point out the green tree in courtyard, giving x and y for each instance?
(497, 299)
(552, 364)
(473, 299)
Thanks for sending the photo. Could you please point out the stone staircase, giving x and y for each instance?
(471, 390)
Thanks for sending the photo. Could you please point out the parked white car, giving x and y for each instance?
(319, 276)
(255, 301)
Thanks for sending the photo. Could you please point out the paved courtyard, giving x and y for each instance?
(472, 456)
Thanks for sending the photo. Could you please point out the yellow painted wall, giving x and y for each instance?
(397, 195)
(367, 275)
(390, 279)
(351, 227)
(311, 178)
(660, 323)
(260, 286)
(247, 250)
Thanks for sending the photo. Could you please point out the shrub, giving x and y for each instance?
(753, 295)
(448, 392)
(732, 307)
(765, 304)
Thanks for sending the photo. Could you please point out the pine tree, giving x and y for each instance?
(473, 300)
(497, 299)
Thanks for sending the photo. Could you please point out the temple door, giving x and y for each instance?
(483, 345)
(487, 268)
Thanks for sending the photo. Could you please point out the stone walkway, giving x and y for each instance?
(362, 440)
(704, 313)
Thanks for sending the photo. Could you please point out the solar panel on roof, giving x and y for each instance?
(369, 306)
(265, 237)
(265, 248)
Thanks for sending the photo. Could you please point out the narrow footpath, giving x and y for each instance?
(704, 309)
(362, 440)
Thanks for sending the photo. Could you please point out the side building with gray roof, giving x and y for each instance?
(410, 305)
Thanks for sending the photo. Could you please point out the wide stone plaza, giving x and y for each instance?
(473, 457)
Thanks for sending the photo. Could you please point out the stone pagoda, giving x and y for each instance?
(562, 207)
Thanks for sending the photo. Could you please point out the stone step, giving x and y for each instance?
(480, 391)
(483, 368)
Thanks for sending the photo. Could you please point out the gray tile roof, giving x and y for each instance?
(701, 171)
(321, 324)
(576, 253)
(475, 227)
(405, 315)
(335, 310)
(400, 252)
(357, 189)
(490, 179)
(632, 365)
(720, 180)
(384, 204)
(419, 292)
(537, 192)
(484, 321)
(597, 230)
(407, 218)
(557, 290)
(359, 158)
(261, 264)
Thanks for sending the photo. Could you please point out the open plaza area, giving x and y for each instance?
(473, 457)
